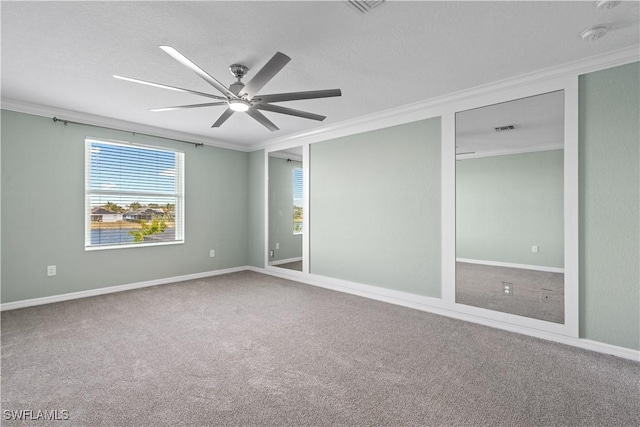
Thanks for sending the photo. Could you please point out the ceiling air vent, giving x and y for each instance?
(364, 6)
(504, 128)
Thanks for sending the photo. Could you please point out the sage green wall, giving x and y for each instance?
(507, 204)
(256, 209)
(43, 213)
(281, 210)
(375, 208)
(609, 206)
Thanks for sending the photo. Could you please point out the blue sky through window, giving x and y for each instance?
(121, 168)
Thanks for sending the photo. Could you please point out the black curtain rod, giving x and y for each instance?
(66, 122)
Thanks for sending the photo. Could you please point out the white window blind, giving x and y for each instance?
(134, 195)
(298, 194)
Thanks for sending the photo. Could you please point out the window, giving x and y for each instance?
(134, 195)
(298, 217)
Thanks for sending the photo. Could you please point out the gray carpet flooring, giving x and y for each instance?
(247, 349)
(535, 294)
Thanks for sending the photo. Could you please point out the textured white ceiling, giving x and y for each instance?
(63, 54)
(538, 122)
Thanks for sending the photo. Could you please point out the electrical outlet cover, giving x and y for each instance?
(507, 288)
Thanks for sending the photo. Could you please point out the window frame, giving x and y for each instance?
(179, 195)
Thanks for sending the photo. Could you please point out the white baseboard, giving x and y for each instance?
(285, 261)
(512, 265)
(418, 302)
(372, 292)
(437, 306)
(112, 289)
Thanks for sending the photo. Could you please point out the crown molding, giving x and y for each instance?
(509, 152)
(434, 107)
(117, 124)
(392, 117)
(285, 156)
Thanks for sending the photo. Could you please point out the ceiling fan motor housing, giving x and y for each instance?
(236, 87)
(238, 71)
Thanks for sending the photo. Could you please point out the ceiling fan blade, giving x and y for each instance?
(223, 118)
(289, 111)
(262, 119)
(177, 89)
(293, 96)
(271, 68)
(184, 107)
(199, 71)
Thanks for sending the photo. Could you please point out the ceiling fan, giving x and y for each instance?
(239, 97)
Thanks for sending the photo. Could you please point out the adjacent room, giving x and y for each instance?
(354, 213)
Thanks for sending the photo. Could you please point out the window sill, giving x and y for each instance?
(135, 245)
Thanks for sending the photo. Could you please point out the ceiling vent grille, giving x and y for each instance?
(364, 6)
(505, 128)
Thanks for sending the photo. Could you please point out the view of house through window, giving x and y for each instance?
(134, 195)
(298, 216)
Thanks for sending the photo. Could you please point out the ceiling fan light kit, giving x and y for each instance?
(239, 105)
(239, 97)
